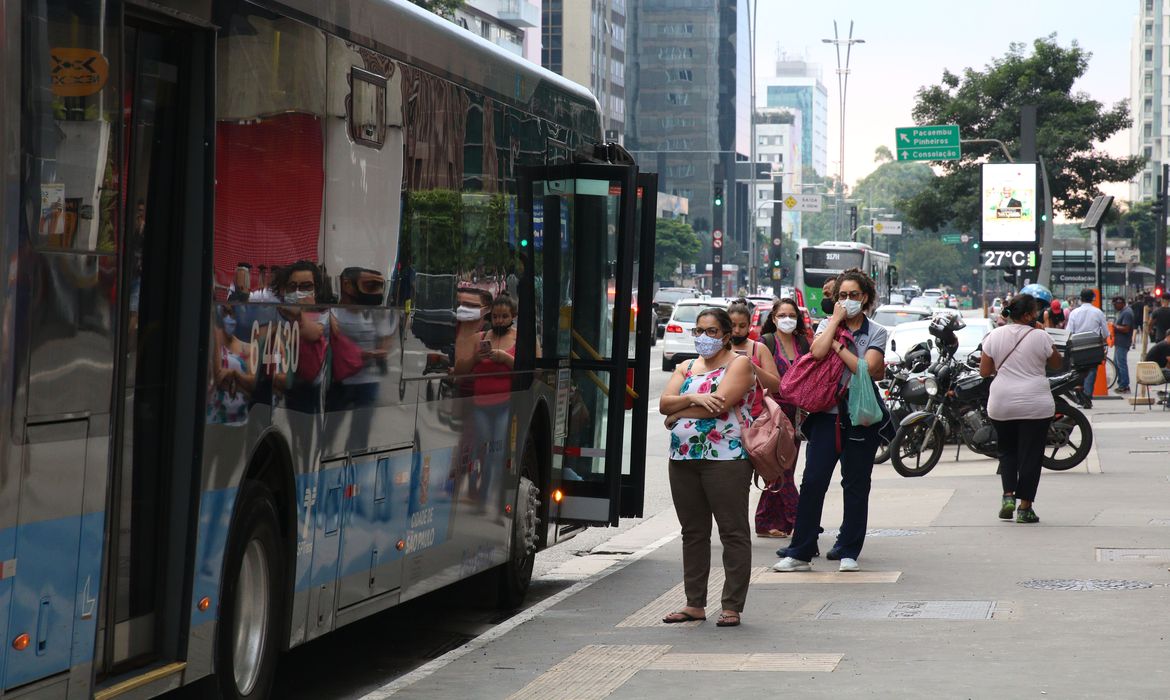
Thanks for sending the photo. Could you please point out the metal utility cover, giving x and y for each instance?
(1124, 554)
(908, 610)
(1092, 584)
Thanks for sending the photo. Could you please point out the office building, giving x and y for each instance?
(1149, 95)
(681, 92)
(778, 138)
(585, 41)
(797, 86)
(512, 24)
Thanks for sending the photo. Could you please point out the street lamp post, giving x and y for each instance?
(752, 253)
(843, 87)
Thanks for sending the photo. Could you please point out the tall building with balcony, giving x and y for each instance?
(1150, 94)
(778, 139)
(585, 41)
(681, 99)
(797, 86)
(512, 24)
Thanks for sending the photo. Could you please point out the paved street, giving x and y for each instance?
(950, 602)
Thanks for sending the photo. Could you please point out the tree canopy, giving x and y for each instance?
(675, 242)
(445, 8)
(986, 105)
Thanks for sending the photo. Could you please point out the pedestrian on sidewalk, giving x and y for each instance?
(707, 404)
(1160, 319)
(1123, 325)
(1020, 404)
(832, 438)
(786, 339)
(1087, 318)
(1159, 354)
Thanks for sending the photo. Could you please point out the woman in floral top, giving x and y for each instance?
(707, 404)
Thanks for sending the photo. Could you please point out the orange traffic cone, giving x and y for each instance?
(1101, 386)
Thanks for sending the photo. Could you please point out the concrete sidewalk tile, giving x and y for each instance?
(784, 662)
(797, 577)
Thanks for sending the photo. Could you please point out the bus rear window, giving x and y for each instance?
(820, 259)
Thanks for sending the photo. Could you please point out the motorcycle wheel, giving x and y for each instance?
(883, 453)
(913, 451)
(1070, 437)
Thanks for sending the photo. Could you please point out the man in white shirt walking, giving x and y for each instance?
(1087, 318)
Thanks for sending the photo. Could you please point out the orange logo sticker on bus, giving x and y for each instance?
(77, 72)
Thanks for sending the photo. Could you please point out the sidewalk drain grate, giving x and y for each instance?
(1090, 584)
(1132, 554)
(882, 532)
(908, 610)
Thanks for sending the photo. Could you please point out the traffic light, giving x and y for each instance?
(853, 218)
(718, 195)
(1158, 206)
(1159, 290)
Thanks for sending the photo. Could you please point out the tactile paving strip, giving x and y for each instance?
(593, 673)
(1132, 554)
(819, 663)
(908, 610)
(675, 598)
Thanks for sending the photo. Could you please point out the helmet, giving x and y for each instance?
(943, 328)
(1039, 291)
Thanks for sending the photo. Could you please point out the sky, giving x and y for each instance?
(908, 43)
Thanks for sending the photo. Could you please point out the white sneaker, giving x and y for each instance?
(789, 564)
(848, 564)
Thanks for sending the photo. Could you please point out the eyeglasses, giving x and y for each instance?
(855, 296)
(712, 332)
(300, 287)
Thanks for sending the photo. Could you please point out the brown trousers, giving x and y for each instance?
(702, 488)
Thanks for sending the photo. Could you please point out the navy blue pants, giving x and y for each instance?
(858, 447)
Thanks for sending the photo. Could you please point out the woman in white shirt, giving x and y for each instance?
(1020, 406)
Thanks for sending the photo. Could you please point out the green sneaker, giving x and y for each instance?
(1006, 507)
(1027, 515)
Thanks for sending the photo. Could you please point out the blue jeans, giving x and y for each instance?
(1121, 358)
(1090, 380)
(858, 447)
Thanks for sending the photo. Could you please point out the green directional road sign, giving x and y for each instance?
(939, 142)
(952, 238)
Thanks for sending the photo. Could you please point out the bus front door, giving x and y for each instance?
(581, 233)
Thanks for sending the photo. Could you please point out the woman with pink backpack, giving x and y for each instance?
(852, 338)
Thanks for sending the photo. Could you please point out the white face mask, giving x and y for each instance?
(296, 297)
(465, 314)
(852, 307)
(786, 324)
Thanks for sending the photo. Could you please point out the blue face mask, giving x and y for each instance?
(229, 325)
(707, 346)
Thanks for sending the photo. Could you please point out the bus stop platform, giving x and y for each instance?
(950, 601)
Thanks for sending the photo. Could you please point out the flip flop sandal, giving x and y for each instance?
(778, 534)
(728, 620)
(680, 616)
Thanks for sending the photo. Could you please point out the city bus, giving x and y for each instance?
(310, 309)
(820, 262)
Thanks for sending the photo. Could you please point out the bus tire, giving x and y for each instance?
(514, 577)
(252, 599)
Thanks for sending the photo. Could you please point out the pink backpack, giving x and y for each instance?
(815, 385)
(770, 443)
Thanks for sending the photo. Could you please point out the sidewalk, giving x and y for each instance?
(951, 602)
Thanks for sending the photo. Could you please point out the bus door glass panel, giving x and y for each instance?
(581, 218)
(154, 156)
(642, 329)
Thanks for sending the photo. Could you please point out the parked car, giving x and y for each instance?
(890, 315)
(925, 302)
(677, 342)
(905, 336)
(664, 301)
(953, 301)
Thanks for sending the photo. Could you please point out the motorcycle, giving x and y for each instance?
(903, 388)
(958, 410)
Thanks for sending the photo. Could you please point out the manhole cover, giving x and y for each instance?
(908, 610)
(883, 532)
(1160, 522)
(1132, 554)
(1079, 584)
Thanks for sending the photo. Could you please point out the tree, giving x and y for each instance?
(931, 262)
(1138, 222)
(443, 8)
(675, 242)
(986, 105)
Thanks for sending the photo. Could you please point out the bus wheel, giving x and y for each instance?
(516, 575)
(252, 600)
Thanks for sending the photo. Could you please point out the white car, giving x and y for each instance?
(678, 344)
(937, 293)
(925, 302)
(907, 335)
(890, 315)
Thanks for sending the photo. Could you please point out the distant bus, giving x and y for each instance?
(255, 386)
(820, 262)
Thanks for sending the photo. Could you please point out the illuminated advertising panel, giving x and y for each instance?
(1008, 204)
